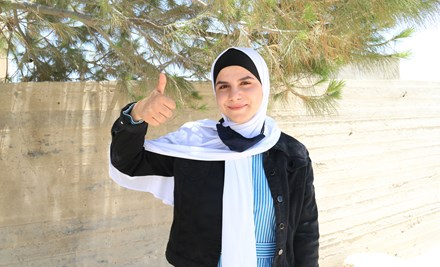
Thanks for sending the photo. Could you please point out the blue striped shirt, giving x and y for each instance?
(264, 215)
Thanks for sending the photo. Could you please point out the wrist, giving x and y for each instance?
(128, 112)
(134, 114)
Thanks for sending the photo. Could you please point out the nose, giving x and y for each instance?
(234, 93)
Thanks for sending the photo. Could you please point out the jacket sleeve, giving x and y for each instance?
(306, 240)
(127, 153)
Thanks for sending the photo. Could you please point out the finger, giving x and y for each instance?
(166, 113)
(159, 118)
(169, 103)
(152, 121)
(161, 83)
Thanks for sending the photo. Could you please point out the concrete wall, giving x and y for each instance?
(377, 166)
(389, 70)
(3, 65)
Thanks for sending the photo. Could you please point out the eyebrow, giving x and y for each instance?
(241, 79)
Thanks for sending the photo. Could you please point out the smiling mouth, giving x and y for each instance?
(236, 107)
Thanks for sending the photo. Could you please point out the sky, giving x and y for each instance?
(423, 64)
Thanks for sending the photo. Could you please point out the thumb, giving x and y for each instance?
(161, 83)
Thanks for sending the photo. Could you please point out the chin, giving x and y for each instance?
(239, 121)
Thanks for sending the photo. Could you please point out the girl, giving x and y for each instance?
(242, 190)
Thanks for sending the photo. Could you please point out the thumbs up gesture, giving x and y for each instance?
(156, 108)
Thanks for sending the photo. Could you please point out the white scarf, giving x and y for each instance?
(199, 141)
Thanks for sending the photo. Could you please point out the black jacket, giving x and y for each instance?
(195, 237)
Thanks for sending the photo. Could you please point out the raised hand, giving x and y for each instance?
(156, 108)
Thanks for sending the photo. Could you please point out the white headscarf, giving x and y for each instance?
(199, 141)
(252, 127)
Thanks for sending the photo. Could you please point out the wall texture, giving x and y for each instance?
(377, 166)
(3, 65)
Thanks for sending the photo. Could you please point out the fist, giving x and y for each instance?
(156, 108)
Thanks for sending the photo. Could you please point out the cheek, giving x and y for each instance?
(261, 99)
(258, 97)
(219, 99)
(219, 103)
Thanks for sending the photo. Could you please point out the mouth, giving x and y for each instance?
(237, 107)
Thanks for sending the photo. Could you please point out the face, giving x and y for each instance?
(239, 93)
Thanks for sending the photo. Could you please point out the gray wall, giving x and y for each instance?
(377, 168)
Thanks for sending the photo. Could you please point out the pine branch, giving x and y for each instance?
(53, 11)
(86, 20)
(304, 42)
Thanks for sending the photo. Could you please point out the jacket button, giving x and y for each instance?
(280, 198)
(273, 172)
(280, 252)
(281, 226)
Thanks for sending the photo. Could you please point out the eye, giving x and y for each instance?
(245, 83)
(222, 86)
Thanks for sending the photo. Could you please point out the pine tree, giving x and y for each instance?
(304, 42)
